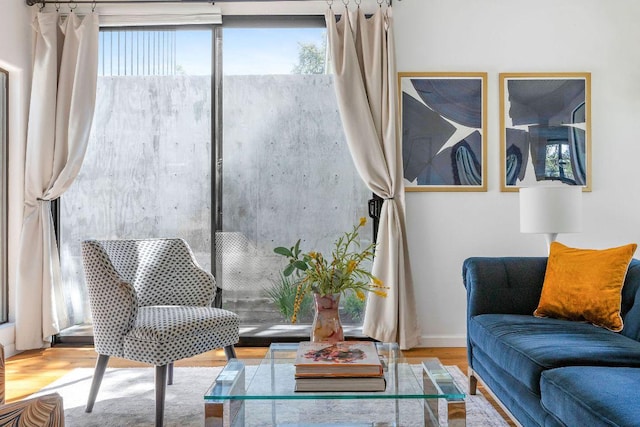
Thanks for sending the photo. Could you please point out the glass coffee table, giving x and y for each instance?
(260, 392)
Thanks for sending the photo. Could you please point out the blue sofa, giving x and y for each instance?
(549, 372)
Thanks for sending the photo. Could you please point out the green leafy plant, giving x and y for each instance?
(315, 273)
(282, 294)
(353, 306)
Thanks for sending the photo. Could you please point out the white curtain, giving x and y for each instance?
(363, 55)
(61, 109)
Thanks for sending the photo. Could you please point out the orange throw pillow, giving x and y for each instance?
(585, 284)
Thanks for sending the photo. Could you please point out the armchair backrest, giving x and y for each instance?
(162, 271)
(122, 275)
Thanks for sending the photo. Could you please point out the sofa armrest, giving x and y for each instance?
(504, 285)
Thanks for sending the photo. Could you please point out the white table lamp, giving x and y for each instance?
(550, 210)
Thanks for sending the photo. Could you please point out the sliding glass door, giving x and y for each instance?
(147, 171)
(257, 103)
(286, 171)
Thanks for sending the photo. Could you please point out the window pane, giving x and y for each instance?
(147, 170)
(263, 51)
(287, 172)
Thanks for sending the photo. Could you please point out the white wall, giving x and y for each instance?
(596, 36)
(15, 57)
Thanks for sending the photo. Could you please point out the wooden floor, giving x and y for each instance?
(32, 370)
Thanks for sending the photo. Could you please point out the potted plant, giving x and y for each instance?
(327, 279)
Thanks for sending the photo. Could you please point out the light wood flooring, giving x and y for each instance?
(32, 370)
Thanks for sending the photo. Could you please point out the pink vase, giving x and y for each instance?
(326, 322)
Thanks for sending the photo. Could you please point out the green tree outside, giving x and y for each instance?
(311, 58)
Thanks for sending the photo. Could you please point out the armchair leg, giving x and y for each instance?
(230, 352)
(170, 374)
(161, 387)
(101, 365)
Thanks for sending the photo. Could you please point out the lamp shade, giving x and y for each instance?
(551, 209)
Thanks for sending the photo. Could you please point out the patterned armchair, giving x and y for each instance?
(152, 303)
(45, 410)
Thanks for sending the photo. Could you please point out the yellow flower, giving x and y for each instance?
(360, 294)
(363, 221)
(382, 294)
(377, 282)
(297, 301)
(351, 265)
(313, 254)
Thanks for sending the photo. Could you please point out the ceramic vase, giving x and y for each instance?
(326, 321)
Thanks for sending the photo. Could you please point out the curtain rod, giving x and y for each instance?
(35, 2)
(44, 2)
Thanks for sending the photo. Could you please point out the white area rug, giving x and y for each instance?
(127, 398)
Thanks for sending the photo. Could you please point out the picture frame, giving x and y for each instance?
(443, 130)
(545, 129)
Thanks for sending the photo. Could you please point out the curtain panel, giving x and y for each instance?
(61, 110)
(363, 55)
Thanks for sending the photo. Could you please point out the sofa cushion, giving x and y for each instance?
(592, 395)
(585, 284)
(524, 346)
(523, 404)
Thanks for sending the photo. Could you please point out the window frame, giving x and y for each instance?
(4, 203)
(216, 160)
(56, 205)
(217, 75)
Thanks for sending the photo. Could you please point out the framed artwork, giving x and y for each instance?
(545, 125)
(444, 131)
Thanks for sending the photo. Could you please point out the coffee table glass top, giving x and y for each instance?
(272, 378)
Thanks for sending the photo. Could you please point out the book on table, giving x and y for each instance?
(341, 366)
(340, 359)
(341, 384)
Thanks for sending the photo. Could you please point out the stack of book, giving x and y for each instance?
(341, 366)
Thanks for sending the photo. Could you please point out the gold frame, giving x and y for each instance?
(504, 77)
(483, 77)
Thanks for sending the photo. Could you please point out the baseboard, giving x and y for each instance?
(7, 338)
(443, 341)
